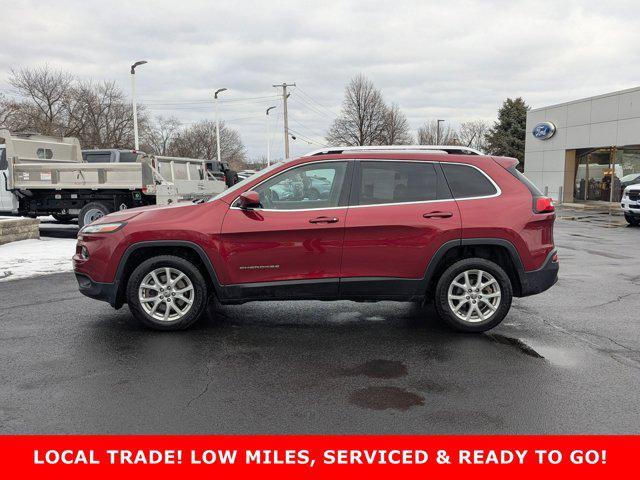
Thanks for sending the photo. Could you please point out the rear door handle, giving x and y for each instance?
(324, 220)
(437, 215)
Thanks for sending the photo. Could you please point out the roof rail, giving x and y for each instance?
(447, 149)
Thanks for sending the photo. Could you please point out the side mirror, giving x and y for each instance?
(249, 200)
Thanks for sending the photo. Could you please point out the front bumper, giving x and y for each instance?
(630, 208)
(107, 292)
(545, 277)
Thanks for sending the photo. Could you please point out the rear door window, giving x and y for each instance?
(388, 181)
(466, 181)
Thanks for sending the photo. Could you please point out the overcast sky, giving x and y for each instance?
(455, 60)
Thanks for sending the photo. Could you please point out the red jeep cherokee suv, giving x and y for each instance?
(444, 224)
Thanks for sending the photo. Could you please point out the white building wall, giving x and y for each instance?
(607, 120)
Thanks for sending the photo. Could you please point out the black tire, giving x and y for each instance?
(63, 218)
(633, 221)
(445, 311)
(231, 177)
(200, 295)
(91, 209)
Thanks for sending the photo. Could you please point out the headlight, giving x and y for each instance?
(103, 227)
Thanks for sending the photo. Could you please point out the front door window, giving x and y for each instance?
(318, 185)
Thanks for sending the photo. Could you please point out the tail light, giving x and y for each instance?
(544, 205)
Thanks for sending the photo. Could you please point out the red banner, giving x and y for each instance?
(315, 456)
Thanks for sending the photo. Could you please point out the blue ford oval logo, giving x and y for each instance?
(544, 130)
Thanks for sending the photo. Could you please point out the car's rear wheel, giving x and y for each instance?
(167, 293)
(473, 295)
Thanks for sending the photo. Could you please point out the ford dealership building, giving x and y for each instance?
(585, 150)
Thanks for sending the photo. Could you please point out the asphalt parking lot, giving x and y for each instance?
(566, 361)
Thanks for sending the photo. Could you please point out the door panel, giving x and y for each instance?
(268, 246)
(298, 232)
(397, 240)
(402, 213)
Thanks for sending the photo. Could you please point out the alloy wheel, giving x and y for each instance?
(474, 296)
(166, 294)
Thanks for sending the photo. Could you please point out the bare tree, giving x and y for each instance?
(199, 141)
(428, 134)
(7, 111)
(396, 128)
(159, 135)
(474, 134)
(44, 92)
(101, 116)
(363, 116)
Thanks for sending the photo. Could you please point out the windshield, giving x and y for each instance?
(240, 185)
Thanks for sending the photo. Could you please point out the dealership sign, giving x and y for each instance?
(544, 130)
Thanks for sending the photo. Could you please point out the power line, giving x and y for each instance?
(305, 94)
(310, 130)
(210, 102)
(307, 139)
(306, 104)
(200, 106)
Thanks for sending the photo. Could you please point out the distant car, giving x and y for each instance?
(631, 179)
(630, 204)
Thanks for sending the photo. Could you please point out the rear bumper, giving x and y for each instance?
(545, 277)
(107, 292)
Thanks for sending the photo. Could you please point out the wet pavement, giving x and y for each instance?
(565, 361)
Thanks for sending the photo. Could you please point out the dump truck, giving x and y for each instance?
(45, 175)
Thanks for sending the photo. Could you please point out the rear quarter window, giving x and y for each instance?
(466, 181)
(535, 191)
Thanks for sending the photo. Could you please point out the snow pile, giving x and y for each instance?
(28, 258)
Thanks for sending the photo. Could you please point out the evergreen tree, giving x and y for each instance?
(506, 137)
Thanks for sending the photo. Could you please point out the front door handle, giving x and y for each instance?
(324, 220)
(437, 215)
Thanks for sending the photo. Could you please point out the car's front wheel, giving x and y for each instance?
(631, 220)
(473, 295)
(167, 293)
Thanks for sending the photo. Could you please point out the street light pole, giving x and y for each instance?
(215, 96)
(438, 131)
(135, 105)
(269, 137)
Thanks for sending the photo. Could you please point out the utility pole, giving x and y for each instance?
(438, 131)
(215, 99)
(135, 103)
(269, 137)
(286, 118)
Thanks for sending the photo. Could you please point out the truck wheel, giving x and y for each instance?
(473, 295)
(231, 177)
(631, 220)
(91, 212)
(62, 218)
(167, 293)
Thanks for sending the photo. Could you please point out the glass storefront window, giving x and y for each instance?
(629, 160)
(593, 175)
(600, 169)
